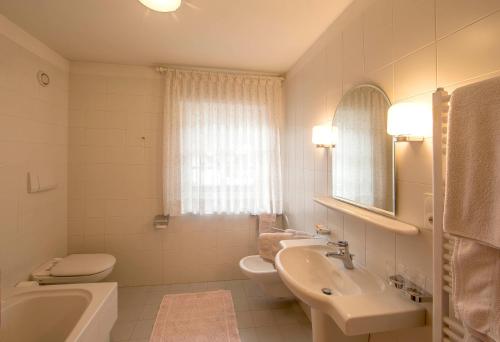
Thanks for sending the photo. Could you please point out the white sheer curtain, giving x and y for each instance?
(221, 143)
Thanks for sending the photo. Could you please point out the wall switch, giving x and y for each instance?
(428, 211)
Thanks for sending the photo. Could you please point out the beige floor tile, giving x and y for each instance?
(122, 331)
(263, 318)
(129, 314)
(262, 303)
(129, 302)
(245, 319)
(269, 334)
(154, 298)
(286, 316)
(143, 330)
(165, 289)
(198, 287)
(296, 332)
(248, 335)
(253, 290)
(241, 304)
(149, 312)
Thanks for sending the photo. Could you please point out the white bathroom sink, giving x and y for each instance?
(76, 312)
(359, 303)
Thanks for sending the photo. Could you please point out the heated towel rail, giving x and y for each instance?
(445, 326)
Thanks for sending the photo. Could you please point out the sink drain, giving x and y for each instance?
(326, 291)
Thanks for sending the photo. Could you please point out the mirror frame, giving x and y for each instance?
(357, 204)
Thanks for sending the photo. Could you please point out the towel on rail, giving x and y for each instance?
(472, 207)
(269, 243)
(271, 223)
(472, 193)
(266, 223)
(476, 289)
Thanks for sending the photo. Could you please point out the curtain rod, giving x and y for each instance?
(162, 68)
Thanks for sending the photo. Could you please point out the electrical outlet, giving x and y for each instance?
(428, 211)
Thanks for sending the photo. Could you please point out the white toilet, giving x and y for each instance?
(75, 268)
(265, 275)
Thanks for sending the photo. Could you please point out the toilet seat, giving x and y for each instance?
(75, 268)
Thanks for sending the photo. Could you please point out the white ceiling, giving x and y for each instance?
(260, 35)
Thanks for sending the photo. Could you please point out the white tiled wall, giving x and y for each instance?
(33, 138)
(408, 47)
(115, 185)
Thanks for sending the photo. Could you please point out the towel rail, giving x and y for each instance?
(448, 246)
(452, 335)
(445, 328)
(455, 325)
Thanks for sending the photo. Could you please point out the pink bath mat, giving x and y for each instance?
(196, 317)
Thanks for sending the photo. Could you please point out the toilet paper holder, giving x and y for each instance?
(161, 221)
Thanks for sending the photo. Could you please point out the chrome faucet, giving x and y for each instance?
(342, 254)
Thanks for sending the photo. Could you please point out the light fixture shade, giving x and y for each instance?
(323, 135)
(162, 5)
(410, 120)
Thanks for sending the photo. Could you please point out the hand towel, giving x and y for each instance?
(472, 194)
(269, 243)
(476, 289)
(299, 233)
(266, 223)
(472, 207)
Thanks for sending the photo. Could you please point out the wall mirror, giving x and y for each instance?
(363, 158)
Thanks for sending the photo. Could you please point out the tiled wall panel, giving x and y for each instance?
(392, 44)
(33, 138)
(115, 186)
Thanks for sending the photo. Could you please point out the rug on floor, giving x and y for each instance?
(196, 317)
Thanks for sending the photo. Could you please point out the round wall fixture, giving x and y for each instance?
(162, 5)
(43, 78)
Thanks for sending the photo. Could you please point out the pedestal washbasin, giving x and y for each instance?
(357, 300)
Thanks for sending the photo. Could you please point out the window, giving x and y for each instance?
(226, 135)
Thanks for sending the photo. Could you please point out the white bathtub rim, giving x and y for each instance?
(99, 294)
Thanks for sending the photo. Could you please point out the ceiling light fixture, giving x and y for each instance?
(162, 5)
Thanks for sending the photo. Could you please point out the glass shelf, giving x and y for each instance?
(381, 221)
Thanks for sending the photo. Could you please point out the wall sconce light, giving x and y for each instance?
(324, 136)
(409, 121)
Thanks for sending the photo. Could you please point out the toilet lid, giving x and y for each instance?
(82, 265)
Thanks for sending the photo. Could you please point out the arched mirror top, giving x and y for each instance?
(363, 158)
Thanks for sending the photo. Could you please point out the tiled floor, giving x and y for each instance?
(260, 318)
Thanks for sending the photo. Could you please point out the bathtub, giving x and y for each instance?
(53, 313)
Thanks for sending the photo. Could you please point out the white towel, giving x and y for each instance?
(266, 223)
(299, 233)
(476, 289)
(472, 207)
(472, 195)
(269, 243)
